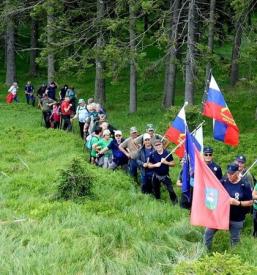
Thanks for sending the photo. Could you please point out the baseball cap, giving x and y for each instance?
(81, 100)
(232, 168)
(157, 141)
(117, 132)
(146, 136)
(208, 149)
(106, 132)
(133, 130)
(241, 158)
(149, 127)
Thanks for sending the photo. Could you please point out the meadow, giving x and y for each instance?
(118, 230)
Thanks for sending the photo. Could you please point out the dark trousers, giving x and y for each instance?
(157, 180)
(132, 168)
(46, 116)
(234, 229)
(66, 124)
(81, 128)
(30, 98)
(146, 184)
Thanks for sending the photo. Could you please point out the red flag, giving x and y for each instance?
(211, 202)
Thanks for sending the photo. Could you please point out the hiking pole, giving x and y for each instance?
(183, 141)
(249, 168)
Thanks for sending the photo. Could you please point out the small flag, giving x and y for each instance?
(189, 164)
(211, 202)
(198, 135)
(176, 132)
(215, 107)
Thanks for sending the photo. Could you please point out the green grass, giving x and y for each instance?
(118, 230)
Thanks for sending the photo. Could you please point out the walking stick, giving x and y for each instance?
(249, 168)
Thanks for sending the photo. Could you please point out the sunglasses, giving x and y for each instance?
(158, 144)
(208, 155)
(117, 135)
(147, 139)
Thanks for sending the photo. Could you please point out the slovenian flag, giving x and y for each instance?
(214, 106)
(176, 132)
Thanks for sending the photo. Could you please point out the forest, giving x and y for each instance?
(136, 39)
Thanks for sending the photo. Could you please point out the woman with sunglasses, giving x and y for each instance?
(208, 158)
(142, 162)
(118, 157)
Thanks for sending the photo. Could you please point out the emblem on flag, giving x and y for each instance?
(211, 198)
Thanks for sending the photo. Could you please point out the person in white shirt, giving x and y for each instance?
(13, 90)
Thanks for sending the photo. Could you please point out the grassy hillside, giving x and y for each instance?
(118, 230)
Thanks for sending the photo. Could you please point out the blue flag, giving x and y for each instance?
(189, 164)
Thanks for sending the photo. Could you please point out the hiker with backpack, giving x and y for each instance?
(240, 202)
(130, 149)
(93, 139)
(46, 104)
(66, 114)
(55, 118)
(104, 160)
(82, 115)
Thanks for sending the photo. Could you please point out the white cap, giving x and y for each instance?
(146, 136)
(117, 132)
(106, 132)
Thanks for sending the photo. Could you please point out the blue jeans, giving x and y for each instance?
(132, 167)
(234, 229)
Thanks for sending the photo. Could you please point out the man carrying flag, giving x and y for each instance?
(176, 131)
(240, 201)
(214, 106)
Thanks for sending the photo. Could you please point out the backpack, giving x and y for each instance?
(88, 143)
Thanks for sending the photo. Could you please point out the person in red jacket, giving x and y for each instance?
(66, 114)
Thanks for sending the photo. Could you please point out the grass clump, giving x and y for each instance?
(75, 181)
(216, 264)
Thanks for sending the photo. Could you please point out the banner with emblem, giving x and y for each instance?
(214, 106)
(176, 132)
(211, 202)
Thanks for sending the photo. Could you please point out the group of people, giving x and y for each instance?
(144, 154)
(147, 153)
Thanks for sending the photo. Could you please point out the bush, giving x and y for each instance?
(75, 181)
(216, 264)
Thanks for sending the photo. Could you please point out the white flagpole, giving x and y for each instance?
(249, 168)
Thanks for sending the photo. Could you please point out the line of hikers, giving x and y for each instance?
(146, 153)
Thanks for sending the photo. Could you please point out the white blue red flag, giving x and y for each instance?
(176, 132)
(214, 106)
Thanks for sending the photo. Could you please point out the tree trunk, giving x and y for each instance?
(210, 35)
(190, 57)
(133, 70)
(170, 64)
(99, 75)
(234, 74)
(10, 52)
(50, 42)
(33, 45)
